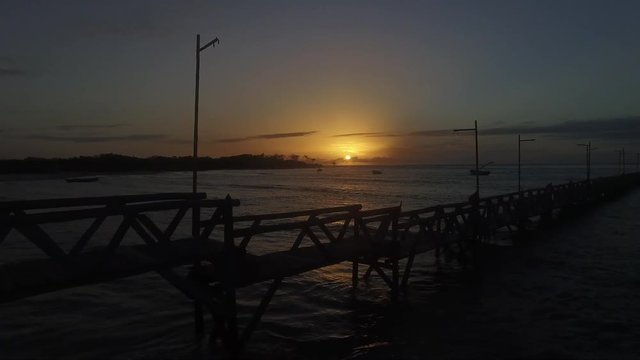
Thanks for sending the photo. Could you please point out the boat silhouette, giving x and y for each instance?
(82, 179)
(480, 170)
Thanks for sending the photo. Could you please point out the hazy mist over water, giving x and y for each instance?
(569, 294)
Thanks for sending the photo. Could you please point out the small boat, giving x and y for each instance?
(480, 171)
(376, 172)
(319, 169)
(82, 179)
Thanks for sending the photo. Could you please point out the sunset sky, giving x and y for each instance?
(382, 81)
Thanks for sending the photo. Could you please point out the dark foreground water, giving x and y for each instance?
(571, 293)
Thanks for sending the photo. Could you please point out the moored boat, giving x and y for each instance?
(82, 179)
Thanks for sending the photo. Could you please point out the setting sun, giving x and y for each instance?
(347, 157)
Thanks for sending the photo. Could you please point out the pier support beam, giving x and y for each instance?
(354, 273)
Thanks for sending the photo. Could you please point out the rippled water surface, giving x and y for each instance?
(571, 293)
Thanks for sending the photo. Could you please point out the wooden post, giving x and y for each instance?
(395, 253)
(475, 239)
(354, 263)
(198, 313)
(477, 161)
(195, 119)
(195, 213)
(519, 186)
(230, 310)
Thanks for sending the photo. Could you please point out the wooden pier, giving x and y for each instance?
(218, 257)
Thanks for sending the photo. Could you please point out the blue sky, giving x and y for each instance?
(80, 78)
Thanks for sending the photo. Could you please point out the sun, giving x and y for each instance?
(347, 157)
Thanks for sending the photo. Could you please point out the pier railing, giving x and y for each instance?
(224, 250)
(64, 263)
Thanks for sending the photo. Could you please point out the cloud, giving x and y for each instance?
(96, 139)
(413, 133)
(85, 127)
(611, 128)
(12, 72)
(448, 132)
(618, 128)
(268, 136)
(367, 134)
(8, 67)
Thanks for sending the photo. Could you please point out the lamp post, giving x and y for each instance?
(520, 141)
(195, 113)
(588, 147)
(195, 226)
(475, 130)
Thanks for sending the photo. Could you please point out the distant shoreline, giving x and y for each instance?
(30, 168)
(113, 163)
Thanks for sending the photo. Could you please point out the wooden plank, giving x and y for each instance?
(151, 227)
(245, 241)
(317, 242)
(80, 214)
(168, 232)
(41, 239)
(116, 240)
(343, 229)
(327, 232)
(144, 235)
(215, 219)
(86, 236)
(381, 211)
(257, 315)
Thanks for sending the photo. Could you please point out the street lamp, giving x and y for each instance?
(195, 226)
(520, 141)
(475, 130)
(195, 114)
(588, 147)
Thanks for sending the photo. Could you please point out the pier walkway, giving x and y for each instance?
(224, 252)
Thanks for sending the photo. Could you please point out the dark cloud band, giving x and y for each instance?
(268, 136)
(85, 127)
(97, 139)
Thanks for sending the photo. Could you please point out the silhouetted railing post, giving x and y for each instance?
(395, 254)
(477, 161)
(474, 221)
(354, 263)
(230, 266)
(198, 315)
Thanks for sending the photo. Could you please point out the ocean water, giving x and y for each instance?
(571, 293)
